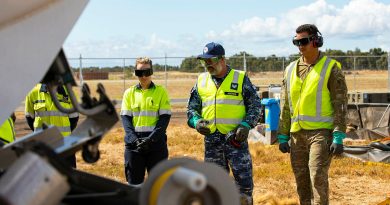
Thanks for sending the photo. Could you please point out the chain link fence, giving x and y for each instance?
(179, 74)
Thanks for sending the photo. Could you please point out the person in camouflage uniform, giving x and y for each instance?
(313, 115)
(224, 106)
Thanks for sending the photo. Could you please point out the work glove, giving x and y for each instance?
(201, 127)
(230, 138)
(284, 147)
(143, 144)
(242, 132)
(337, 144)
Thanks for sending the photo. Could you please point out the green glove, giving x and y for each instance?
(283, 138)
(337, 145)
(338, 137)
(284, 147)
(194, 120)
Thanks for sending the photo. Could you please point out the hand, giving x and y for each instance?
(336, 148)
(143, 144)
(337, 144)
(242, 133)
(230, 138)
(284, 147)
(201, 127)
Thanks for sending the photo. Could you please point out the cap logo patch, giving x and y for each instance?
(205, 49)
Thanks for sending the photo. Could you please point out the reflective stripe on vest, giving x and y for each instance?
(145, 106)
(309, 116)
(223, 107)
(7, 132)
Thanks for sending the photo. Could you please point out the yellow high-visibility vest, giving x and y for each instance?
(145, 106)
(40, 106)
(223, 107)
(309, 100)
(7, 132)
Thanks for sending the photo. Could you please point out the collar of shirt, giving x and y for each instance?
(304, 68)
(138, 86)
(311, 65)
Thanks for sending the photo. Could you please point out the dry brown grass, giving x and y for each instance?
(351, 181)
(179, 84)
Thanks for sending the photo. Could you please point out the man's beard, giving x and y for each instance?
(215, 70)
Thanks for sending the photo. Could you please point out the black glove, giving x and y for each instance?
(284, 147)
(143, 144)
(201, 127)
(242, 133)
(336, 148)
(230, 137)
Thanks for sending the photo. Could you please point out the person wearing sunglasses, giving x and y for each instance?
(223, 107)
(313, 115)
(145, 113)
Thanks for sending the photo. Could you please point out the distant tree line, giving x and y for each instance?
(374, 59)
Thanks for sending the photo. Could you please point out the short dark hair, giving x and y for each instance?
(311, 29)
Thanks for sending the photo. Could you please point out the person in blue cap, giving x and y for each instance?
(224, 106)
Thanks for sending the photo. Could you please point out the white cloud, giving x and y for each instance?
(357, 21)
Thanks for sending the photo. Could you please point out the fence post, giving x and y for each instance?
(244, 61)
(124, 75)
(388, 70)
(166, 74)
(80, 70)
(354, 73)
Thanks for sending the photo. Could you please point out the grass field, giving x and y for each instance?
(179, 84)
(351, 181)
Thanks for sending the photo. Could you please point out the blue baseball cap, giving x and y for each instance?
(212, 50)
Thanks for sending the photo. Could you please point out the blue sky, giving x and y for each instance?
(124, 28)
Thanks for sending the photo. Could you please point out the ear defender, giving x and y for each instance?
(318, 40)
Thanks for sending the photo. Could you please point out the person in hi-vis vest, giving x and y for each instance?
(145, 113)
(7, 130)
(313, 115)
(40, 111)
(224, 106)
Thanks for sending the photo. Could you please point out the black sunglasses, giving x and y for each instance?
(302, 41)
(146, 73)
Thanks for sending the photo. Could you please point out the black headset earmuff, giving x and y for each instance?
(318, 41)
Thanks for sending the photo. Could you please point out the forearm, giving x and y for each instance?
(285, 115)
(163, 122)
(338, 93)
(130, 134)
(252, 103)
(30, 122)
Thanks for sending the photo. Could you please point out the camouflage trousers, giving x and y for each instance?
(310, 160)
(222, 153)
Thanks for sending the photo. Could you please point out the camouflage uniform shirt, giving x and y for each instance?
(338, 93)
